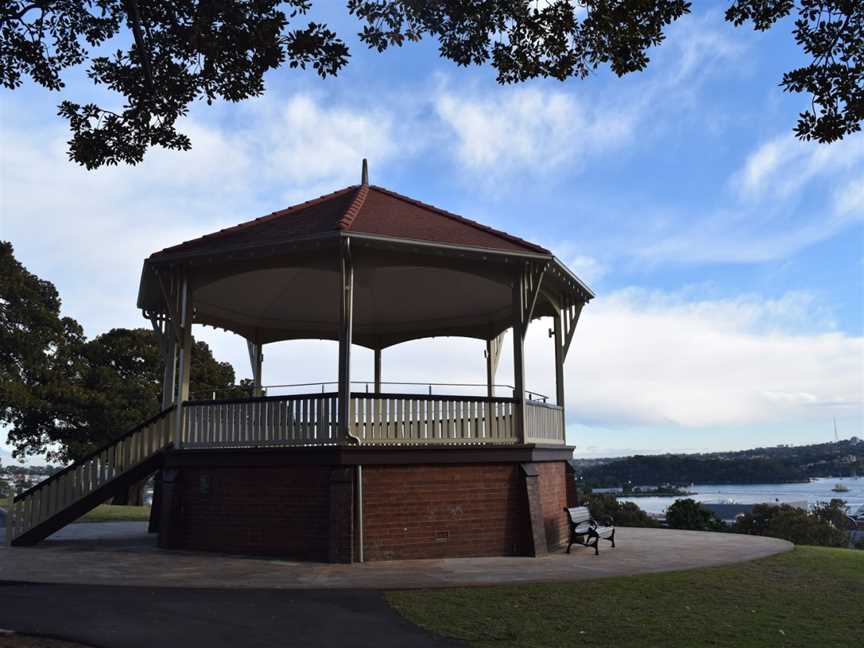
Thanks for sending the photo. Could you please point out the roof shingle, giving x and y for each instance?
(362, 209)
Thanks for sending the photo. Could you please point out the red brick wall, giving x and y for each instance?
(263, 510)
(553, 495)
(437, 511)
(410, 511)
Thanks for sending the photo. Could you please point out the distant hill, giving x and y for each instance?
(779, 464)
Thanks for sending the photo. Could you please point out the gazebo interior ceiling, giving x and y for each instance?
(392, 303)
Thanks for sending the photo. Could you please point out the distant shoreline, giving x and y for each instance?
(660, 494)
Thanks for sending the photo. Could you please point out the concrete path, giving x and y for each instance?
(134, 617)
(124, 554)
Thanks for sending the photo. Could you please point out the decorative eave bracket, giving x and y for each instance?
(531, 280)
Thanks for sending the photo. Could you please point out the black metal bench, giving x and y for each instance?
(585, 530)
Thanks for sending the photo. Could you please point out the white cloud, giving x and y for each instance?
(536, 130)
(528, 128)
(784, 165)
(786, 196)
(652, 359)
(849, 199)
(698, 47)
(309, 143)
(587, 268)
(90, 231)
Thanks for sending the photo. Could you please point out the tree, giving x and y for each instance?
(174, 53)
(795, 524)
(122, 383)
(5, 485)
(628, 514)
(62, 395)
(41, 364)
(691, 515)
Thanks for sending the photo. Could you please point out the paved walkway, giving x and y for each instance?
(124, 554)
(136, 617)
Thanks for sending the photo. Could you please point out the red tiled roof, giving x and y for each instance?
(362, 209)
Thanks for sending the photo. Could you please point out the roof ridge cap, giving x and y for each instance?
(354, 208)
(462, 219)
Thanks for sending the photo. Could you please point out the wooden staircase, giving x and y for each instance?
(67, 495)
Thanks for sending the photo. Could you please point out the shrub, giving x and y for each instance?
(691, 515)
(623, 513)
(821, 527)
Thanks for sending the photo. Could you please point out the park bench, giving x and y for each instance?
(585, 530)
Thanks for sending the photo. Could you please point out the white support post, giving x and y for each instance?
(377, 371)
(490, 370)
(559, 359)
(346, 317)
(170, 358)
(256, 359)
(185, 357)
(518, 355)
(493, 356)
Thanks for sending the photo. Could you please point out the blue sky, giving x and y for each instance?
(727, 257)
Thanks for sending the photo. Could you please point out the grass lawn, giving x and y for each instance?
(108, 513)
(811, 596)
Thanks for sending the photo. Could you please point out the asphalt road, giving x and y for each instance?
(134, 617)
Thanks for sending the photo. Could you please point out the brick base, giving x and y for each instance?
(271, 511)
(444, 511)
(409, 511)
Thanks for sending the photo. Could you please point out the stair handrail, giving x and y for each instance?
(150, 421)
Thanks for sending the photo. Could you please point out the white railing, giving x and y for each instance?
(544, 423)
(397, 419)
(375, 419)
(261, 422)
(63, 489)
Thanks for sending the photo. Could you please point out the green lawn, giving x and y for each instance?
(108, 513)
(811, 596)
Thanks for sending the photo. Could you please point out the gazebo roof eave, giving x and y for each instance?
(270, 248)
(589, 293)
(240, 252)
(453, 248)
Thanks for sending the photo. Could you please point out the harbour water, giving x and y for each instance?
(818, 490)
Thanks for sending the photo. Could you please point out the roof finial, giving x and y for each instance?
(364, 178)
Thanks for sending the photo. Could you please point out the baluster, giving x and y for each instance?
(230, 423)
(261, 417)
(208, 433)
(272, 417)
(64, 490)
(400, 406)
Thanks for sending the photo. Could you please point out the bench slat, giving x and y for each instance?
(579, 514)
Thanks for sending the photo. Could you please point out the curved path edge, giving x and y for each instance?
(132, 559)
